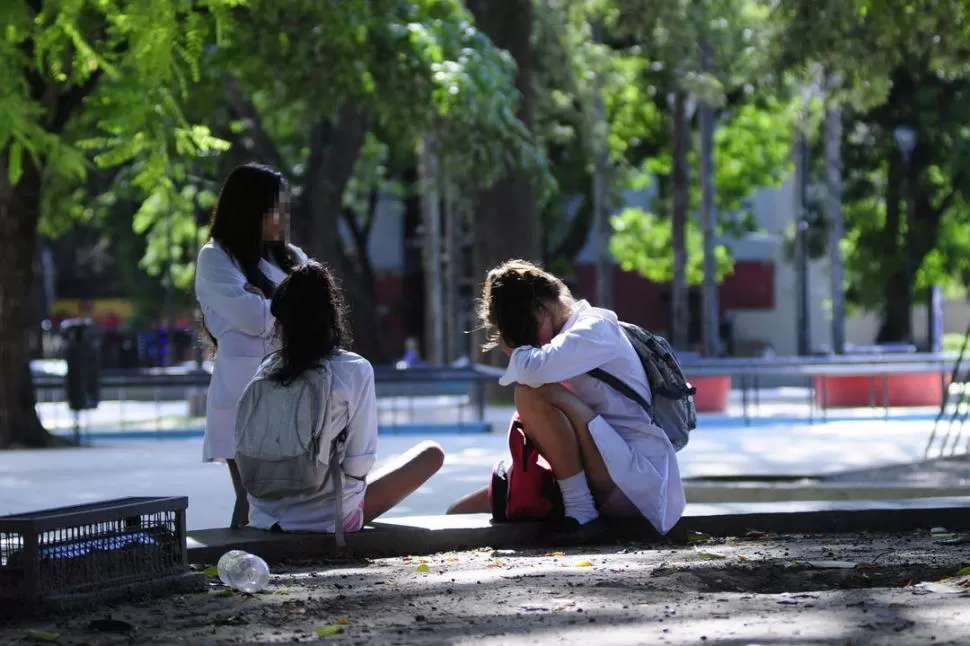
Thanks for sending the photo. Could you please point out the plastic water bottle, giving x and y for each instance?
(225, 562)
(243, 571)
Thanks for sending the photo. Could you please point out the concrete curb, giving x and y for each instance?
(430, 534)
(767, 492)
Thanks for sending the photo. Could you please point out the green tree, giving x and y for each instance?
(113, 85)
(394, 71)
(125, 65)
(713, 52)
(891, 64)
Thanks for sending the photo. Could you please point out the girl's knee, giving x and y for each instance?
(526, 396)
(430, 454)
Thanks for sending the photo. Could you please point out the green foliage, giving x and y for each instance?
(642, 243)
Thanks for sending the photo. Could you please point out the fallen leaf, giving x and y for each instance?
(211, 571)
(697, 536)
(282, 591)
(556, 554)
(224, 592)
(710, 556)
(423, 568)
(964, 571)
(453, 559)
(742, 557)
(42, 636)
(343, 621)
(584, 564)
(329, 630)
(496, 563)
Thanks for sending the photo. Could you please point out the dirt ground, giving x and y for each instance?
(758, 589)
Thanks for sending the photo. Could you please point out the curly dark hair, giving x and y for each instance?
(311, 320)
(513, 296)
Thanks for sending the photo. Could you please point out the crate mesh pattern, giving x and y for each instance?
(91, 548)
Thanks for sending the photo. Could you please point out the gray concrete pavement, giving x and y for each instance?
(41, 479)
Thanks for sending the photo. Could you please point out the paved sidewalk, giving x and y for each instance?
(32, 480)
(805, 590)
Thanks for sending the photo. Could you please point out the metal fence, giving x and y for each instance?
(429, 399)
(171, 402)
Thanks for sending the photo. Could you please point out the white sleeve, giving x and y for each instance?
(588, 344)
(301, 256)
(220, 286)
(361, 448)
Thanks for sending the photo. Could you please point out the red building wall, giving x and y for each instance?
(636, 299)
(750, 287)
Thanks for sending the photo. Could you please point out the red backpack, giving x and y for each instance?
(525, 488)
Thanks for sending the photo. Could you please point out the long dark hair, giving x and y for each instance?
(311, 320)
(250, 191)
(513, 296)
(247, 195)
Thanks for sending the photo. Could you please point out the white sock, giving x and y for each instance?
(577, 498)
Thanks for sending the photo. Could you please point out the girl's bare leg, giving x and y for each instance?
(400, 479)
(557, 422)
(474, 503)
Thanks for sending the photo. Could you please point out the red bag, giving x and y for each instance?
(525, 488)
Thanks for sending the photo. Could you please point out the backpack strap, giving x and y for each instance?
(618, 384)
(335, 474)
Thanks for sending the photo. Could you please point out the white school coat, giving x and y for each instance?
(243, 327)
(352, 406)
(637, 453)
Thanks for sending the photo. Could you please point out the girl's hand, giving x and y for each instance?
(252, 289)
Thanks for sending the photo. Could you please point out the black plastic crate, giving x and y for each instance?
(98, 550)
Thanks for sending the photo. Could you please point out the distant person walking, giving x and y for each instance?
(246, 257)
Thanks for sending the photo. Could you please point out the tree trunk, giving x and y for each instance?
(19, 215)
(711, 316)
(335, 147)
(680, 314)
(506, 218)
(833, 202)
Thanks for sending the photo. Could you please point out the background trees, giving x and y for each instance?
(126, 115)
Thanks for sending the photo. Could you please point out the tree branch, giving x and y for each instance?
(69, 101)
(371, 214)
(240, 107)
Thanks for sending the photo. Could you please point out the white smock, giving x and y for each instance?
(638, 455)
(352, 406)
(242, 325)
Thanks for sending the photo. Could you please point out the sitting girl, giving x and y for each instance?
(608, 456)
(308, 394)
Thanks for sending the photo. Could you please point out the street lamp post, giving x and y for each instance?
(906, 137)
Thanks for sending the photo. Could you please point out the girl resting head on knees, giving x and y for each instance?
(237, 271)
(307, 394)
(609, 457)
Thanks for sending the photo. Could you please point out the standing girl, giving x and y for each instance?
(238, 269)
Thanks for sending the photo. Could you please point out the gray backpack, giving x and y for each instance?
(279, 435)
(673, 396)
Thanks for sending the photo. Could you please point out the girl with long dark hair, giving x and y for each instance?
(314, 366)
(238, 269)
